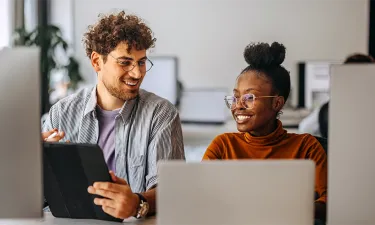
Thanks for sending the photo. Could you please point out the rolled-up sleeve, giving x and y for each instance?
(166, 144)
(51, 121)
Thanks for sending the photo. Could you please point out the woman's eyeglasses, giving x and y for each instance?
(246, 100)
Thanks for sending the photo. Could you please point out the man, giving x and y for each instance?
(134, 128)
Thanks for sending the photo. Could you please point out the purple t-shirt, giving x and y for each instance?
(106, 139)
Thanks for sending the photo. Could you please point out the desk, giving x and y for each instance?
(198, 136)
(51, 220)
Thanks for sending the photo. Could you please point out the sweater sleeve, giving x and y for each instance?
(214, 150)
(318, 155)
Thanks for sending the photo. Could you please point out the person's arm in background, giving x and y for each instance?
(214, 151)
(310, 124)
(318, 155)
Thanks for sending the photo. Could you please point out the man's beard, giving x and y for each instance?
(120, 93)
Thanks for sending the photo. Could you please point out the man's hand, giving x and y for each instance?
(119, 201)
(58, 137)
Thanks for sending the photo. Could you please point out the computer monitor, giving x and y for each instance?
(351, 154)
(204, 106)
(162, 78)
(20, 137)
(313, 83)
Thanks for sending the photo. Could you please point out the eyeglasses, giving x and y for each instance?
(144, 65)
(246, 100)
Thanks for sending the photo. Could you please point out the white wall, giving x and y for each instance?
(209, 36)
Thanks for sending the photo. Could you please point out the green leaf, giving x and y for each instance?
(51, 40)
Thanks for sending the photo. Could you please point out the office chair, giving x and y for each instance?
(323, 120)
(324, 142)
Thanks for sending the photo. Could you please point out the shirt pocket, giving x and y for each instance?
(137, 173)
(137, 161)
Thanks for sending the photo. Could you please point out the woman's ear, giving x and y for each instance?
(95, 61)
(278, 103)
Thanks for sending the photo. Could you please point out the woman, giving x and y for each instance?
(260, 93)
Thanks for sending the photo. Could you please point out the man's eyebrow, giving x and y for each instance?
(131, 59)
(125, 58)
(143, 58)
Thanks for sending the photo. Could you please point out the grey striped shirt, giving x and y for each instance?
(147, 130)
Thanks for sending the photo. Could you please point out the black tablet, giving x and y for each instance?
(68, 170)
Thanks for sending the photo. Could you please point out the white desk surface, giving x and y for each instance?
(195, 134)
(51, 220)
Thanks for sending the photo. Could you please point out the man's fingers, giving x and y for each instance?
(103, 193)
(104, 185)
(106, 194)
(51, 131)
(48, 133)
(54, 139)
(116, 179)
(61, 134)
(110, 211)
(113, 176)
(105, 202)
(121, 181)
(109, 186)
(56, 136)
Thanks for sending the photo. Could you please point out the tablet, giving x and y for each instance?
(68, 170)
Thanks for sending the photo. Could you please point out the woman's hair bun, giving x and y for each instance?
(263, 56)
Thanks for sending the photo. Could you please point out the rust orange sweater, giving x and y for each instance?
(277, 145)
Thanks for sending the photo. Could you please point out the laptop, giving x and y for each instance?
(252, 192)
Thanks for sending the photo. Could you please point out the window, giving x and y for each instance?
(31, 15)
(5, 23)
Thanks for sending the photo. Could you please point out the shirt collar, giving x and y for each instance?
(124, 112)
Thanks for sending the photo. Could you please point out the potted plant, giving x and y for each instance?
(57, 57)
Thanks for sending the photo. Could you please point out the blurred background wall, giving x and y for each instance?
(209, 36)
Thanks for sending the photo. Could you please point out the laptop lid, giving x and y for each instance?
(236, 192)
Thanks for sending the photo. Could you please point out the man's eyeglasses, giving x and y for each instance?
(246, 100)
(144, 65)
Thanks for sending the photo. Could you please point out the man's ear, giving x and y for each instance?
(96, 61)
(278, 103)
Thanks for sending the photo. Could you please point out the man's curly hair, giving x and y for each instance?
(104, 36)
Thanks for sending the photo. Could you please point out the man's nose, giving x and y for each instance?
(135, 73)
